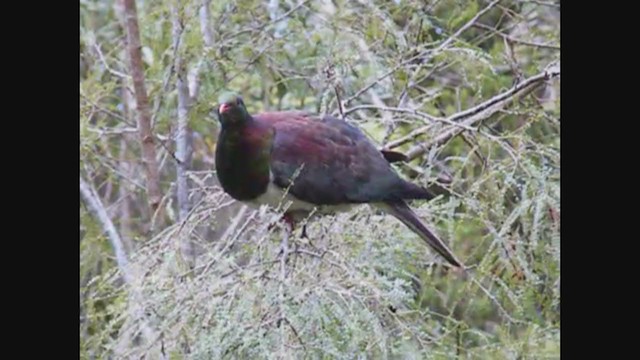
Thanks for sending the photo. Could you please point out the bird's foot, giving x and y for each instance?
(288, 220)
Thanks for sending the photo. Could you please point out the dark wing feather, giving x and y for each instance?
(394, 156)
(337, 163)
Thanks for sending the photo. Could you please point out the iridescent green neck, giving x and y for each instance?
(243, 155)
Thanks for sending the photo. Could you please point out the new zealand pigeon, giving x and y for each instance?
(319, 162)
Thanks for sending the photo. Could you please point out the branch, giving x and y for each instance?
(283, 277)
(382, 77)
(104, 110)
(274, 21)
(144, 119)
(106, 65)
(331, 78)
(183, 145)
(474, 114)
(97, 209)
(125, 192)
(207, 37)
(420, 54)
(412, 80)
(419, 114)
(205, 27)
(543, 3)
(466, 26)
(515, 40)
(549, 73)
(167, 79)
(231, 229)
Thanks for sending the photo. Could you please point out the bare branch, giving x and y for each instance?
(98, 210)
(207, 37)
(340, 104)
(205, 27)
(183, 144)
(466, 26)
(96, 207)
(475, 114)
(543, 3)
(105, 111)
(147, 142)
(125, 192)
(390, 109)
(549, 73)
(412, 80)
(495, 301)
(283, 277)
(274, 21)
(382, 77)
(106, 65)
(337, 87)
(193, 78)
(437, 50)
(231, 229)
(169, 74)
(515, 40)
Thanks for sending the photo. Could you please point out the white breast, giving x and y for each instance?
(275, 197)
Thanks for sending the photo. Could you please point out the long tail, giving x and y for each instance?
(403, 212)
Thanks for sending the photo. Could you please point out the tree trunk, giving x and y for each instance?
(136, 70)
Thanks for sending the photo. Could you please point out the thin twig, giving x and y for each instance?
(419, 114)
(274, 21)
(543, 3)
(433, 53)
(340, 105)
(382, 77)
(474, 114)
(234, 223)
(283, 276)
(106, 111)
(106, 65)
(466, 26)
(497, 303)
(176, 41)
(295, 332)
(331, 78)
(517, 41)
(475, 149)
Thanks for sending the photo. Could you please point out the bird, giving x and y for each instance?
(319, 164)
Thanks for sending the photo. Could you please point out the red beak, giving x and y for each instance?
(223, 108)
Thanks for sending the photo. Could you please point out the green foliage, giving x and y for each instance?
(362, 286)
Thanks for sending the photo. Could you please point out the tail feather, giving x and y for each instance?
(413, 192)
(403, 212)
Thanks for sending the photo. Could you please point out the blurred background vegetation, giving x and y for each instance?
(469, 90)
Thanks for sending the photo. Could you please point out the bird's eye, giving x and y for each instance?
(239, 101)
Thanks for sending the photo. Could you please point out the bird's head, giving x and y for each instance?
(231, 109)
